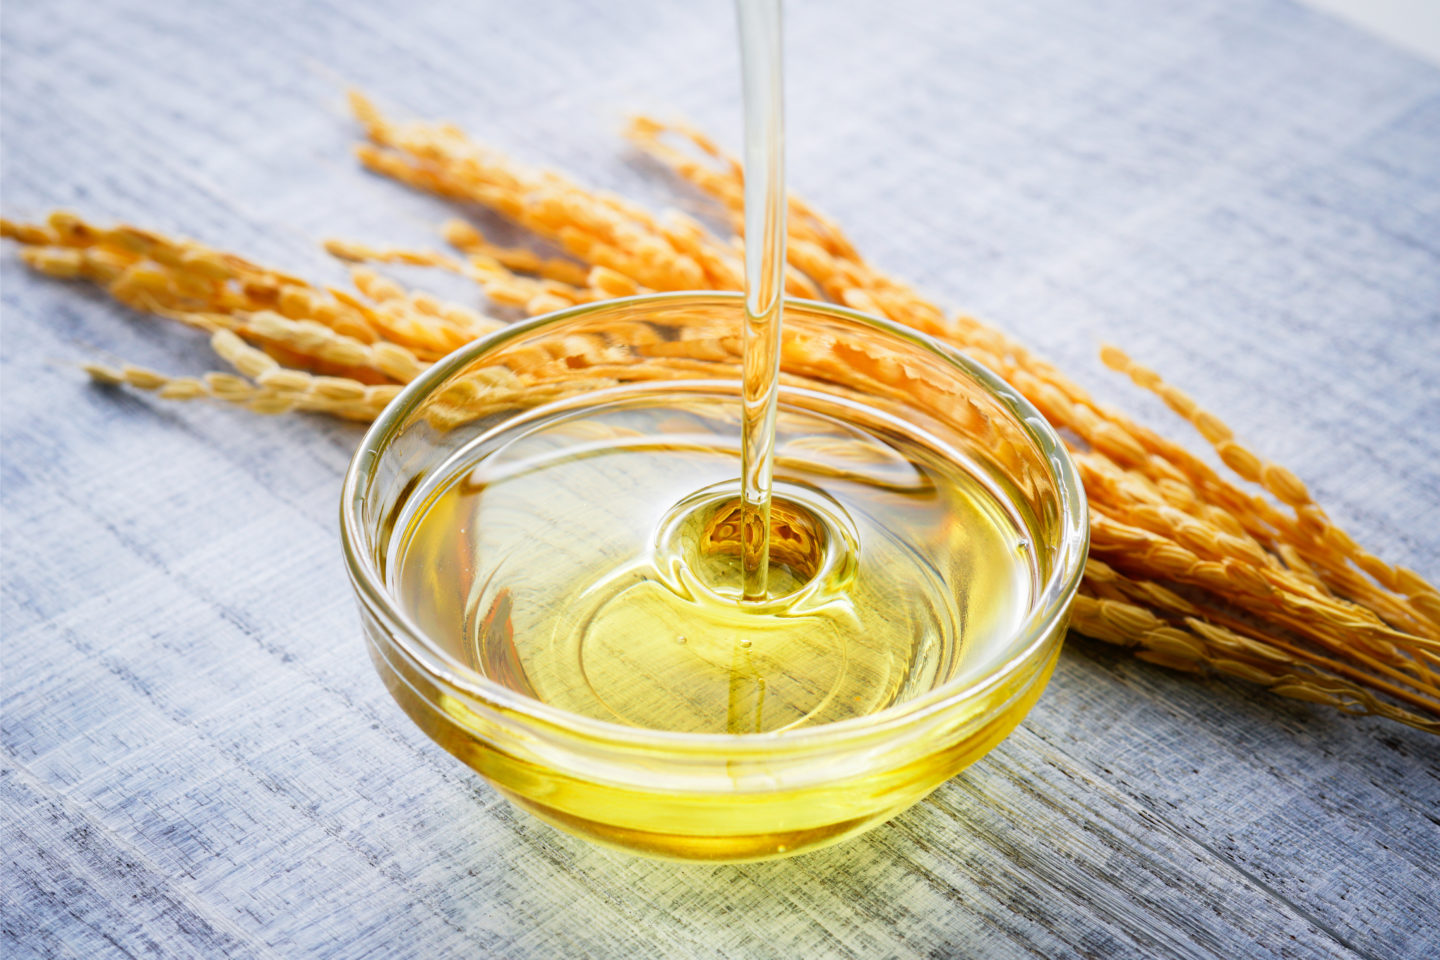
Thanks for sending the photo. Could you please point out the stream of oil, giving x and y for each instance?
(763, 82)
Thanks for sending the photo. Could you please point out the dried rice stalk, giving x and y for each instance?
(295, 346)
(1188, 569)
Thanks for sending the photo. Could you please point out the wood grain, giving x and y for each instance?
(198, 760)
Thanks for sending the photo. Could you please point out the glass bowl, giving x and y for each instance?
(712, 796)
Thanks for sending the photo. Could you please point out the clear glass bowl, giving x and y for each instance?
(713, 796)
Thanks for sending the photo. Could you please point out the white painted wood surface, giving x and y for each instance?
(198, 761)
(1410, 24)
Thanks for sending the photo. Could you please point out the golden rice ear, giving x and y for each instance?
(1190, 568)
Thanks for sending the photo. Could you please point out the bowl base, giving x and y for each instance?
(740, 848)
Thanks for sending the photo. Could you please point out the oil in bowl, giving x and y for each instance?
(546, 537)
(589, 559)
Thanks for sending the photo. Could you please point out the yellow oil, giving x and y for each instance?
(590, 559)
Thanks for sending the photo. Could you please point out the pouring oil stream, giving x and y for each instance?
(762, 79)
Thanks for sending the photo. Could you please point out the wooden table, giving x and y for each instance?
(198, 759)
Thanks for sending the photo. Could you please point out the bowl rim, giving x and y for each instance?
(1036, 628)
